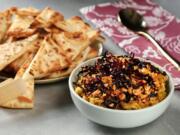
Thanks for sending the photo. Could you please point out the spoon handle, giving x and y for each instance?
(166, 55)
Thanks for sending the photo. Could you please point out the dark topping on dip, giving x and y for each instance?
(121, 82)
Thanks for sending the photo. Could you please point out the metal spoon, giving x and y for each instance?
(134, 21)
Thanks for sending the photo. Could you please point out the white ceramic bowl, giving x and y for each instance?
(118, 118)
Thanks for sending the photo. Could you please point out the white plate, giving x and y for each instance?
(97, 46)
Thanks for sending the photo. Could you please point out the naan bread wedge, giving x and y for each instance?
(72, 43)
(49, 16)
(11, 89)
(11, 51)
(26, 99)
(28, 11)
(49, 58)
(76, 24)
(64, 73)
(4, 23)
(17, 63)
(20, 26)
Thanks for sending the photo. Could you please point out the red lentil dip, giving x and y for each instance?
(121, 82)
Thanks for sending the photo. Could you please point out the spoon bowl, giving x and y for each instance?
(131, 19)
(135, 22)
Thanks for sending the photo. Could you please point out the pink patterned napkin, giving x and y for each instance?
(164, 27)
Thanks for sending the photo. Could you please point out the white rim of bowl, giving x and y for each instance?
(171, 91)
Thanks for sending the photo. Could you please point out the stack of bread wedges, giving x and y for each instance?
(40, 44)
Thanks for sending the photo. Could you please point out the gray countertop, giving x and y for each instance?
(54, 111)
